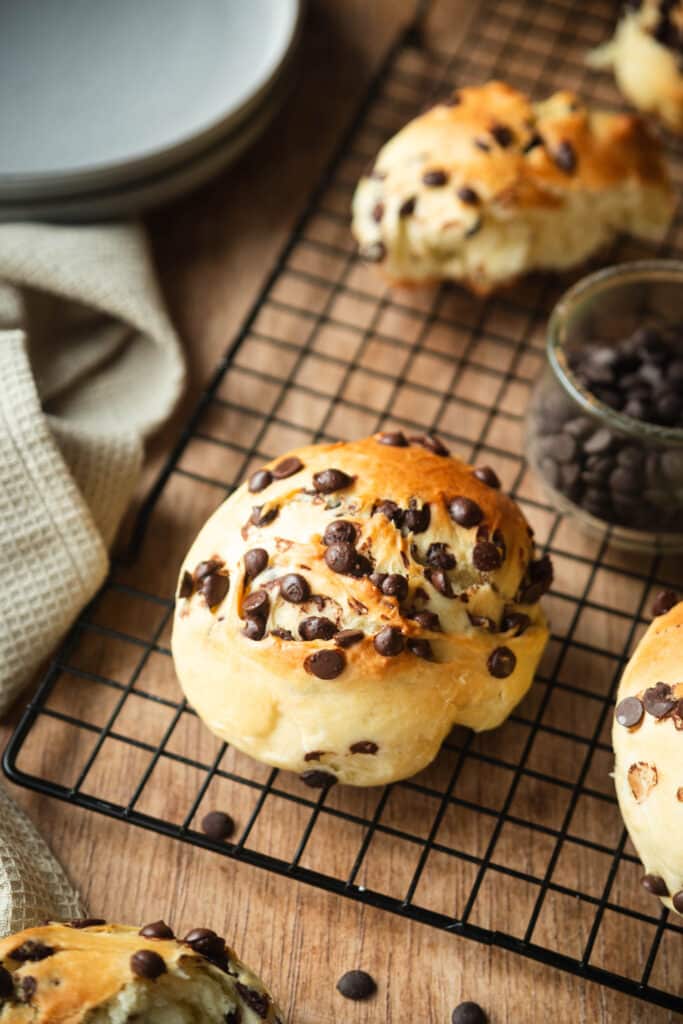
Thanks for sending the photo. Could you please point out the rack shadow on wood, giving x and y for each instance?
(512, 838)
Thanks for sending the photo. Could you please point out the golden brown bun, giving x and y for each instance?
(520, 186)
(59, 974)
(383, 716)
(647, 70)
(648, 771)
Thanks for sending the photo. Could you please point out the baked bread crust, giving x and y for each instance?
(68, 974)
(487, 186)
(376, 707)
(648, 771)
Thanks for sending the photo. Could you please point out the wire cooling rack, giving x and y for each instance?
(512, 838)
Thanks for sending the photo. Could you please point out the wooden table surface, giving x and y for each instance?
(212, 250)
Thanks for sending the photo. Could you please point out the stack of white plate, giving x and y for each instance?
(108, 107)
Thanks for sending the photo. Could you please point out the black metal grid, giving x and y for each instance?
(511, 838)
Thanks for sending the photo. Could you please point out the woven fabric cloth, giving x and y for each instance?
(89, 365)
(33, 887)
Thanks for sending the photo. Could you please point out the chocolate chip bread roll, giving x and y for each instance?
(98, 973)
(648, 747)
(645, 56)
(487, 186)
(351, 602)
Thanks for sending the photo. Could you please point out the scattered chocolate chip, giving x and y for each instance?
(313, 755)
(431, 443)
(393, 438)
(532, 142)
(487, 476)
(256, 605)
(629, 712)
(501, 662)
(377, 579)
(218, 825)
(31, 951)
(204, 569)
(186, 585)
(428, 620)
(287, 467)
(677, 900)
(27, 988)
(487, 556)
(294, 588)
(565, 157)
(364, 747)
(343, 558)
(348, 637)
(664, 602)
(317, 779)
(440, 581)
(467, 195)
(655, 885)
(468, 1013)
(407, 207)
(206, 943)
(282, 634)
(373, 253)
(356, 985)
(435, 178)
(325, 664)
(254, 629)
(517, 621)
(482, 622)
(390, 510)
(214, 588)
(395, 585)
(420, 648)
(339, 531)
(503, 135)
(329, 480)
(317, 627)
(255, 561)
(659, 700)
(416, 520)
(465, 512)
(378, 212)
(537, 581)
(440, 557)
(260, 518)
(234, 1016)
(256, 1001)
(147, 964)
(86, 922)
(6, 984)
(389, 641)
(259, 480)
(156, 930)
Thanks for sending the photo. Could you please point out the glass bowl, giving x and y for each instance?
(614, 473)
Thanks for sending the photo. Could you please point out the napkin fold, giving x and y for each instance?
(89, 366)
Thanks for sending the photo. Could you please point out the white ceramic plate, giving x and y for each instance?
(94, 93)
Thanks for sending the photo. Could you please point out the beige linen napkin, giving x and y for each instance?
(89, 365)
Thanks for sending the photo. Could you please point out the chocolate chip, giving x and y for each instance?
(390, 510)
(395, 585)
(373, 253)
(407, 207)
(204, 569)
(256, 605)
(27, 988)
(294, 588)
(260, 518)
(282, 634)
(564, 156)
(348, 637)
(503, 135)
(467, 195)
(482, 622)
(234, 1016)
(317, 627)
(342, 558)
(420, 648)
(440, 557)
(664, 602)
(31, 951)
(156, 930)
(218, 825)
(186, 585)
(313, 755)
(468, 1013)
(329, 480)
(428, 620)
(465, 512)
(486, 556)
(255, 561)
(659, 700)
(356, 985)
(339, 531)
(440, 581)
(86, 922)
(431, 443)
(389, 641)
(378, 212)
(325, 664)
(533, 142)
(517, 621)
(256, 1001)
(287, 467)
(487, 476)
(254, 629)
(655, 885)
(6, 984)
(416, 520)
(214, 588)
(537, 581)
(259, 480)
(206, 943)
(364, 747)
(629, 712)
(501, 662)
(147, 964)
(677, 900)
(317, 779)
(393, 438)
(435, 178)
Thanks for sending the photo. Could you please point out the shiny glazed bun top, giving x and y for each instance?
(351, 602)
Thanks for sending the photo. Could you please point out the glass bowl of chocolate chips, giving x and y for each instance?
(605, 422)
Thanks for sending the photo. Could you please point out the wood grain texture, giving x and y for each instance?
(212, 250)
